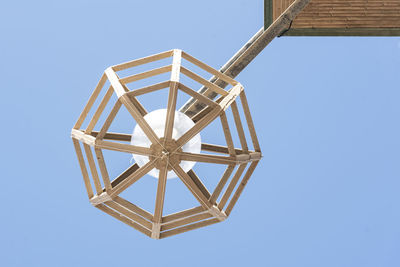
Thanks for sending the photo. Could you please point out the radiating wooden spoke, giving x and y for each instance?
(206, 158)
(124, 148)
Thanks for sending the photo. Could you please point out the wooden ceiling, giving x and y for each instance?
(340, 17)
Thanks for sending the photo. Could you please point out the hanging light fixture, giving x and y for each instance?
(167, 143)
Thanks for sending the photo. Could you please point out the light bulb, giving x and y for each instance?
(156, 120)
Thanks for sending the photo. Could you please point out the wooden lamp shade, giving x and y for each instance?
(165, 153)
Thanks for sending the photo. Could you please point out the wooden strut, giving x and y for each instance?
(215, 205)
(246, 54)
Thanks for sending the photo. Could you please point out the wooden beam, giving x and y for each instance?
(250, 123)
(134, 177)
(146, 74)
(221, 184)
(203, 81)
(124, 148)
(132, 207)
(240, 188)
(124, 219)
(109, 120)
(93, 169)
(197, 96)
(188, 228)
(207, 158)
(82, 165)
(90, 102)
(183, 214)
(99, 110)
(131, 215)
(149, 89)
(199, 183)
(103, 170)
(191, 185)
(247, 53)
(188, 220)
(142, 61)
(231, 186)
(227, 134)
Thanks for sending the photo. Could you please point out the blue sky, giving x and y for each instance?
(326, 192)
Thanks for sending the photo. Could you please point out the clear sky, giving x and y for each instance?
(326, 110)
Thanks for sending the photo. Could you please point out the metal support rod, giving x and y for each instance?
(247, 53)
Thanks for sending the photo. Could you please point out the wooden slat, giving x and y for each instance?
(171, 107)
(82, 165)
(199, 183)
(142, 61)
(93, 169)
(131, 215)
(207, 119)
(132, 207)
(162, 182)
(182, 214)
(231, 186)
(211, 70)
(221, 184)
(146, 74)
(114, 136)
(134, 111)
(239, 127)
(219, 149)
(149, 89)
(185, 221)
(227, 134)
(103, 169)
(123, 148)
(188, 228)
(135, 176)
(115, 82)
(250, 123)
(99, 110)
(124, 175)
(123, 219)
(197, 96)
(240, 188)
(203, 81)
(109, 120)
(90, 102)
(207, 158)
(187, 180)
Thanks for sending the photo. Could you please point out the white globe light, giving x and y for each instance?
(156, 120)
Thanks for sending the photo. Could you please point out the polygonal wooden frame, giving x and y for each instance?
(210, 210)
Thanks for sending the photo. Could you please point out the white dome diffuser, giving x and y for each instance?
(156, 120)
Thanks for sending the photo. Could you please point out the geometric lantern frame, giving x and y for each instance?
(165, 153)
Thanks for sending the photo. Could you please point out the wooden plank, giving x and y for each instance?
(115, 82)
(114, 136)
(93, 169)
(239, 127)
(99, 110)
(231, 97)
(138, 105)
(109, 120)
(231, 186)
(227, 134)
(250, 123)
(124, 175)
(132, 207)
(221, 184)
(207, 158)
(146, 74)
(103, 169)
(182, 214)
(142, 61)
(240, 188)
(124, 148)
(90, 102)
(209, 69)
(188, 228)
(199, 183)
(203, 81)
(82, 165)
(123, 219)
(219, 149)
(197, 96)
(171, 107)
(200, 125)
(343, 32)
(149, 89)
(188, 220)
(134, 177)
(134, 111)
(131, 215)
(187, 180)
(176, 65)
(162, 182)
